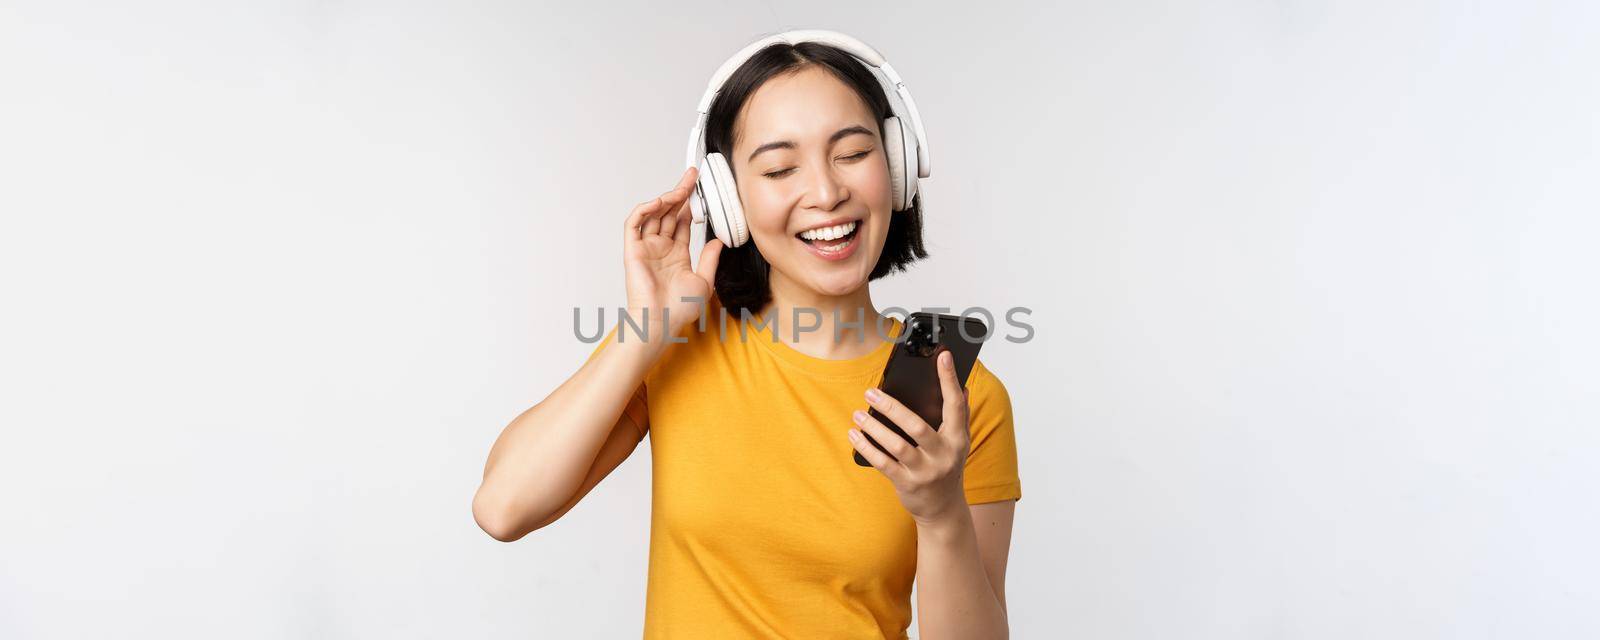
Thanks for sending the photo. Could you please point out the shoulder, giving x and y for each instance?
(689, 344)
(988, 405)
(985, 388)
(701, 347)
(991, 472)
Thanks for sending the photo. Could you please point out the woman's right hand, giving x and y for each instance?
(655, 256)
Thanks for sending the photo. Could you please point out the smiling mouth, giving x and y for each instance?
(831, 244)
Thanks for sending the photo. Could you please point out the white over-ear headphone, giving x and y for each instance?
(716, 196)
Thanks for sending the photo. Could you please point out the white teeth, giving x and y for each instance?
(835, 248)
(829, 233)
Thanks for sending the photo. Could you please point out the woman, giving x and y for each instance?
(762, 524)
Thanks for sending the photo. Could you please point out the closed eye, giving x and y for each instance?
(783, 172)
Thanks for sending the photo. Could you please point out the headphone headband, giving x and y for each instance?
(906, 110)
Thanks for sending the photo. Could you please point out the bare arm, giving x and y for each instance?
(961, 567)
(543, 458)
(551, 455)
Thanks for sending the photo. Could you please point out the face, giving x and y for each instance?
(809, 158)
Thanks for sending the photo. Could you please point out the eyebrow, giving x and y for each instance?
(785, 144)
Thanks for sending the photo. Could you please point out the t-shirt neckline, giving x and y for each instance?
(869, 364)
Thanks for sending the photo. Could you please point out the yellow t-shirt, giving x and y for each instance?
(762, 525)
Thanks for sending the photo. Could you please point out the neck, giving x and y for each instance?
(851, 317)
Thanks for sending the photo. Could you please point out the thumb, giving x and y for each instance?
(709, 255)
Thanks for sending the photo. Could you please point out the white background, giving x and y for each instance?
(1313, 288)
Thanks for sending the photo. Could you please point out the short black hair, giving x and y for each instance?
(741, 282)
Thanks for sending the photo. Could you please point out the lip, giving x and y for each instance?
(838, 255)
(830, 223)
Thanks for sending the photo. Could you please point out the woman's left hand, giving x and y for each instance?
(927, 476)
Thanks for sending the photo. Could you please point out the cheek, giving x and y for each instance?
(766, 206)
(874, 183)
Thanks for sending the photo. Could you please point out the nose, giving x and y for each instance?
(826, 191)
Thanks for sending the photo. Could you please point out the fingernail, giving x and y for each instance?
(872, 394)
(852, 434)
(859, 415)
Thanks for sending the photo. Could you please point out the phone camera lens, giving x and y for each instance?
(923, 343)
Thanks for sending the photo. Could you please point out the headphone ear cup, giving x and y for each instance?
(697, 198)
(900, 145)
(913, 154)
(708, 200)
(731, 228)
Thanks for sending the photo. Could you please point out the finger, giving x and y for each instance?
(676, 196)
(709, 255)
(680, 236)
(903, 417)
(652, 223)
(679, 192)
(633, 224)
(955, 396)
(690, 175)
(670, 201)
(664, 202)
(878, 459)
(897, 446)
(672, 223)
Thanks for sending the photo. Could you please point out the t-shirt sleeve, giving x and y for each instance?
(991, 471)
(636, 412)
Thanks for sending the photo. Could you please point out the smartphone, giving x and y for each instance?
(912, 375)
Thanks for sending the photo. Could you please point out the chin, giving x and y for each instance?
(839, 284)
